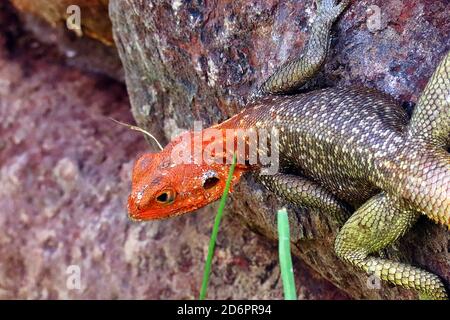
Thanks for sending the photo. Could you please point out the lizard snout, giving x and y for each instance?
(133, 209)
(137, 203)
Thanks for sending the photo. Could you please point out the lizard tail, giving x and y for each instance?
(431, 118)
(429, 131)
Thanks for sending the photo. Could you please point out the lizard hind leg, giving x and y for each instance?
(375, 225)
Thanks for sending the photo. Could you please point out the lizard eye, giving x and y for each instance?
(166, 197)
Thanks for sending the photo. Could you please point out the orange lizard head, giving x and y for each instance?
(162, 187)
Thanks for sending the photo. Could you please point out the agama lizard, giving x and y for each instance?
(344, 151)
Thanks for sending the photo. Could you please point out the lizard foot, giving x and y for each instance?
(375, 225)
(330, 9)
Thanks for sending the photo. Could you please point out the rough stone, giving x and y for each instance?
(94, 20)
(92, 48)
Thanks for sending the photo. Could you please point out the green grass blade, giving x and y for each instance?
(212, 241)
(284, 249)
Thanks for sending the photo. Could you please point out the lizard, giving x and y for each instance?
(349, 152)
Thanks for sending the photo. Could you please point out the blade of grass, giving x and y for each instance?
(284, 249)
(212, 240)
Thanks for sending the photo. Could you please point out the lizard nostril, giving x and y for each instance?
(132, 208)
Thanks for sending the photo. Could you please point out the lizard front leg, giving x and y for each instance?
(305, 193)
(375, 225)
(297, 72)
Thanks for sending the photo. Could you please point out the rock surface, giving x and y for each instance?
(93, 15)
(65, 175)
(196, 60)
(91, 48)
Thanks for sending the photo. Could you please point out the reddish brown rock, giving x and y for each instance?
(91, 48)
(193, 60)
(94, 15)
